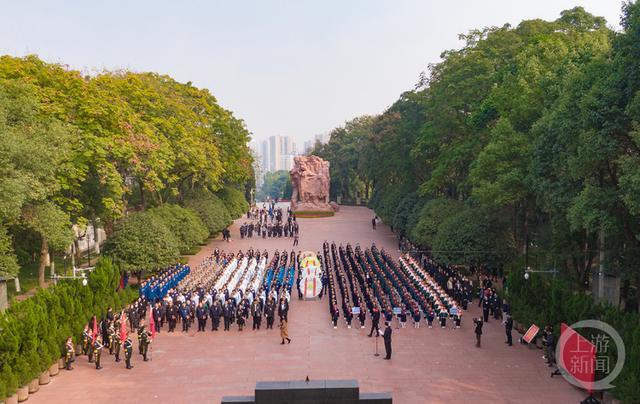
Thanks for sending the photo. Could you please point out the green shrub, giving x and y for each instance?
(184, 224)
(541, 301)
(33, 331)
(142, 242)
(234, 200)
(429, 218)
(211, 210)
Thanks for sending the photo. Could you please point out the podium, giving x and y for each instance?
(316, 391)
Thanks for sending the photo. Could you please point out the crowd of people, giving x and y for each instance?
(371, 283)
(111, 334)
(230, 288)
(270, 222)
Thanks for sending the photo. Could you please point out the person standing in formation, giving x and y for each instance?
(269, 312)
(97, 348)
(128, 350)
(69, 353)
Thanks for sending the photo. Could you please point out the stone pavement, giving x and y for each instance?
(428, 365)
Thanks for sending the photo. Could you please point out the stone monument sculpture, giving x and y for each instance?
(310, 184)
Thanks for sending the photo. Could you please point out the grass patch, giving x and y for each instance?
(314, 214)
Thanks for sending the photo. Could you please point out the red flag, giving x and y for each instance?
(123, 327)
(95, 330)
(577, 356)
(121, 281)
(152, 323)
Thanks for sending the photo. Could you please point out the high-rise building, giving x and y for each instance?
(264, 154)
(275, 152)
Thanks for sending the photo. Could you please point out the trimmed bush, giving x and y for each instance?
(142, 242)
(33, 331)
(234, 200)
(184, 224)
(211, 210)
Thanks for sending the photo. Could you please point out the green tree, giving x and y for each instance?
(277, 184)
(142, 242)
(470, 236)
(184, 224)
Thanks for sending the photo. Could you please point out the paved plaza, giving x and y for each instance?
(428, 365)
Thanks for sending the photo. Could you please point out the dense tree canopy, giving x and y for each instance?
(523, 143)
(80, 149)
(533, 127)
(277, 184)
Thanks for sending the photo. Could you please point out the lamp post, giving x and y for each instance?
(528, 271)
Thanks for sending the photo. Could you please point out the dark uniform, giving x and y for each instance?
(86, 337)
(69, 354)
(227, 312)
(215, 311)
(97, 348)
(257, 314)
(172, 317)
(201, 315)
(387, 341)
(508, 326)
(116, 346)
(375, 321)
(128, 351)
(145, 340)
(269, 313)
(478, 331)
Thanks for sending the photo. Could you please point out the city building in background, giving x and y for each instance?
(277, 152)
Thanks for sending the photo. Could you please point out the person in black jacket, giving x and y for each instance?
(269, 312)
(283, 309)
(215, 311)
(227, 312)
(375, 320)
(387, 340)
(508, 326)
(201, 315)
(256, 313)
(157, 317)
(172, 316)
(128, 350)
(478, 322)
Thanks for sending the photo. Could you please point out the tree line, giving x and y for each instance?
(521, 145)
(519, 151)
(103, 148)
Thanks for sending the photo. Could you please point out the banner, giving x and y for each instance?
(531, 333)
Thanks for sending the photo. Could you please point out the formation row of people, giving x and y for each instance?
(371, 282)
(232, 287)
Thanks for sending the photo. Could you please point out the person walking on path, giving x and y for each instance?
(478, 330)
(387, 340)
(284, 332)
(373, 223)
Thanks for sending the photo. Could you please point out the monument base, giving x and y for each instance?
(312, 207)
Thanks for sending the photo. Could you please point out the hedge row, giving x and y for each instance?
(543, 301)
(33, 331)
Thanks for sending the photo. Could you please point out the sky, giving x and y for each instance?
(296, 68)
